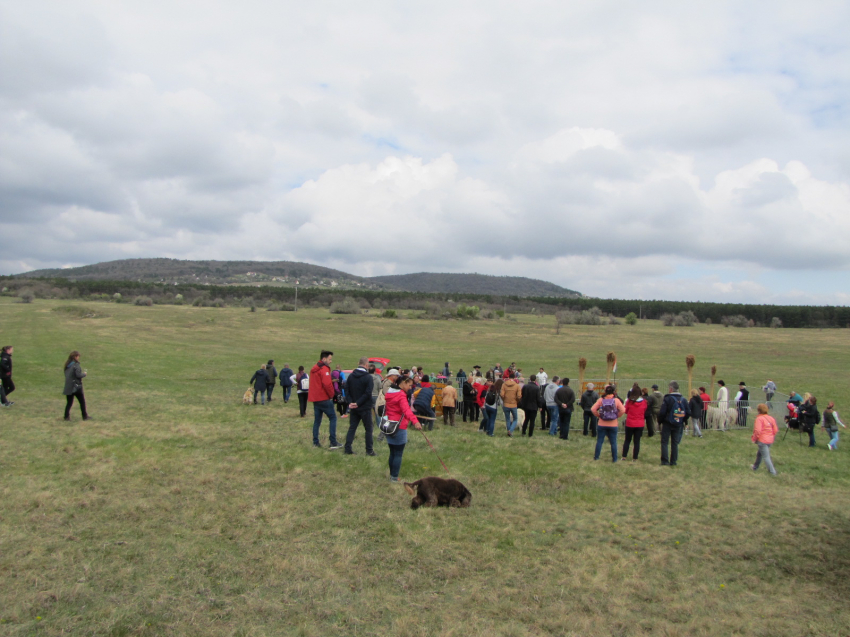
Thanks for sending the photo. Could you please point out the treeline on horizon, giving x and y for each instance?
(828, 316)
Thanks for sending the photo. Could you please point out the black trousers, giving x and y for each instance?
(528, 423)
(545, 419)
(357, 416)
(632, 434)
(8, 385)
(70, 401)
(589, 424)
(302, 403)
(565, 416)
(3, 399)
(470, 409)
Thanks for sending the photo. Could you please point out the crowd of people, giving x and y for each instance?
(409, 397)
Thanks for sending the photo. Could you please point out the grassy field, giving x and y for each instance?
(179, 511)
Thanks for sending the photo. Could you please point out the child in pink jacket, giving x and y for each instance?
(764, 432)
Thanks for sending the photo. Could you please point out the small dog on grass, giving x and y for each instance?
(433, 491)
(248, 396)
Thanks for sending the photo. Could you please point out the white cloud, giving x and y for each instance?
(607, 142)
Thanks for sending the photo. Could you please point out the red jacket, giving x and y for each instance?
(321, 385)
(635, 412)
(398, 407)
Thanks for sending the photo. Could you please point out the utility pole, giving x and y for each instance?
(296, 296)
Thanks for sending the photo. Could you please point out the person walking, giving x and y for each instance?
(448, 399)
(607, 409)
(6, 371)
(302, 388)
(3, 400)
(764, 433)
(510, 393)
(398, 409)
(830, 422)
(359, 391)
(271, 370)
(565, 399)
(588, 399)
(260, 379)
(635, 421)
(529, 397)
(769, 390)
(695, 408)
(285, 377)
(809, 416)
(674, 410)
(321, 394)
(74, 376)
(489, 399)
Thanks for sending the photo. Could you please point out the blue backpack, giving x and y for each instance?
(608, 409)
(676, 414)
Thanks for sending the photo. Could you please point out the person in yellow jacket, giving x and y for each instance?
(449, 402)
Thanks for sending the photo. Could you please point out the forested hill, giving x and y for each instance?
(475, 284)
(288, 273)
(212, 272)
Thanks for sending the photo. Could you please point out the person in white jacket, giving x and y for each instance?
(723, 403)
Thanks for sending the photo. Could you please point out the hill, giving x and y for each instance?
(212, 272)
(288, 273)
(475, 284)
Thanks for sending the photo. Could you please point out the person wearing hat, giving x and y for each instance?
(742, 402)
(469, 407)
(674, 411)
(587, 401)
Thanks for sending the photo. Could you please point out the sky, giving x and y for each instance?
(653, 150)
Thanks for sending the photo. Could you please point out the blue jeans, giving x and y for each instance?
(287, 392)
(269, 390)
(554, 419)
(262, 394)
(611, 434)
(565, 416)
(510, 418)
(671, 434)
(396, 443)
(833, 441)
(489, 419)
(324, 407)
(764, 454)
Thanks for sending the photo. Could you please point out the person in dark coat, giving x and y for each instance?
(588, 400)
(695, 409)
(424, 401)
(261, 381)
(74, 385)
(529, 402)
(286, 382)
(565, 398)
(358, 388)
(6, 370)
(809, 417)
(272, 374)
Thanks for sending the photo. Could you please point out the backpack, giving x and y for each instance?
(676, 415)
(608, 410)
(490, 398)
(305, 383)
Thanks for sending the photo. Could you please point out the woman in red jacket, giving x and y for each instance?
(635, 420)
(398, 408)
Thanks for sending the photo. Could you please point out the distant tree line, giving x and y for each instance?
(433, 305)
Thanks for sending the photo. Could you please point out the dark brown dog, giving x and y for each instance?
(433, 491)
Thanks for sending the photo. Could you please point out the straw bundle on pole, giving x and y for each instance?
(612, 360)
(582, 365)
(690, 361)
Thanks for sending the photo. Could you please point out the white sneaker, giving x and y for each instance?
(336, 446)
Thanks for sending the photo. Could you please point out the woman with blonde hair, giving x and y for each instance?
(764, 432)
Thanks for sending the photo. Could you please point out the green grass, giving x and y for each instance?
(178, 511)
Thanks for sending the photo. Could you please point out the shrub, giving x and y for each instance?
(708, 321)
(487, 314)
(500, 313)
(218, 303)
(613, 320)
(389, 314)
(682, 319)
(178, 299)
(26, 296)
(347, 306)
(143, 300)
(737, 320)
(631, 318)
(117, 297)
(776, 322)
(467, 312)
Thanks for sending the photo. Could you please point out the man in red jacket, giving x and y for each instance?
(321, 394)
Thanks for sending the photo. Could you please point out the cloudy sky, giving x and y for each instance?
(654, 149)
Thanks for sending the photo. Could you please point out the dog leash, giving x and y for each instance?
(435, 451)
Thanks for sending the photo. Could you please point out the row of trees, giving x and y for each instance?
(433, 305)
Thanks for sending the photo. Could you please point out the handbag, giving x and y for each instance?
(388, 427)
